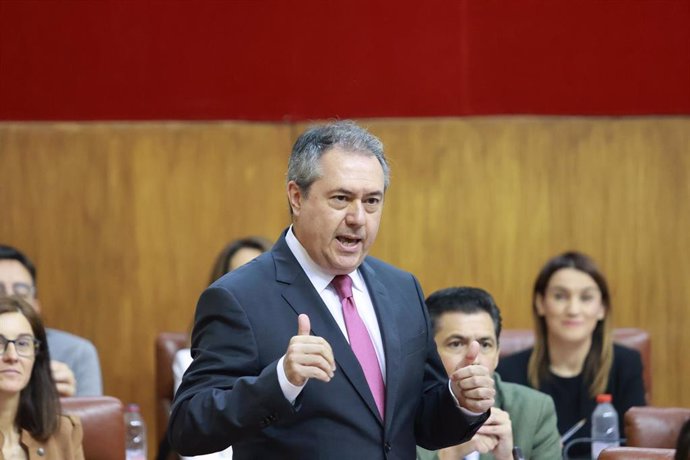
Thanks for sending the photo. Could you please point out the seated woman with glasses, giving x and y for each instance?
(31, 426)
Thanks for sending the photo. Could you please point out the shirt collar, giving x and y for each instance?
(318, 277)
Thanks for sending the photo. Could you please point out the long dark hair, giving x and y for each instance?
(222, 264)
(599, 359)
(39, 403)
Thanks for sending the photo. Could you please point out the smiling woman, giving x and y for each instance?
(574, 358)
(31, 424)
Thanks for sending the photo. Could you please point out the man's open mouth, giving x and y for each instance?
(348, 241)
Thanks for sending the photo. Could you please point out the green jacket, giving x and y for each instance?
(533, 418)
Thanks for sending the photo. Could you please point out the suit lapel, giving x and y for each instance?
(385, 312)
(300, 294)
(499, 399)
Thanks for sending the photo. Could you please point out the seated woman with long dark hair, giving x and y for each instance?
(574, 358)
(31, 426)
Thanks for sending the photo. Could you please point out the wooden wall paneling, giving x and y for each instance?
(198, 187)
(124, 219)
(486, 201)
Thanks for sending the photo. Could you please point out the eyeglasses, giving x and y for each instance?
(25, 346)
(24, 290)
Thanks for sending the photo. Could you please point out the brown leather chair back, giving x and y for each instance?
(638, 339)
(167, 344)
(102, 419)
(514, 340)
(636, 453)
(654, 426)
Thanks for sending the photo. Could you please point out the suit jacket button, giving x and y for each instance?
(387, 447)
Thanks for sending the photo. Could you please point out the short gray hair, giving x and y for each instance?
(304, 167)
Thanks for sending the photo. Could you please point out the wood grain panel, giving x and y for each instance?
(487, 201)
(124, 219)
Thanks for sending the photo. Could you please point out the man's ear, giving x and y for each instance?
(295, 197)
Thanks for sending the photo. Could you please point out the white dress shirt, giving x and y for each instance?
(322, 283)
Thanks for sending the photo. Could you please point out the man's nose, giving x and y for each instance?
(355, 213)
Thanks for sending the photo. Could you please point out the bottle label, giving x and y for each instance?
(137, 454)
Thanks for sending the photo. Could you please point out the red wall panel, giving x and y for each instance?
(603, 57)
(273, 60)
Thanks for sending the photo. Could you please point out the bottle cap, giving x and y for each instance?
(604, 398)
(132, 407)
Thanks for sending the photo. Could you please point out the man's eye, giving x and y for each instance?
(339, 201)
(487, 345)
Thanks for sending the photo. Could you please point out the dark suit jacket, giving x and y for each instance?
(230, 394)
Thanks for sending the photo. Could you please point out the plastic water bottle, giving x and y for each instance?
(604, 426)
(135, 433)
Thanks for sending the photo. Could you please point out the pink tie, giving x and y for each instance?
(360, 341)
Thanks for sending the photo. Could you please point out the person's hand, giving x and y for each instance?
(472, 384)
(482, 443)
(495, 436)
(64, 378)
(498, 427)
(479, 443)
(308, 356)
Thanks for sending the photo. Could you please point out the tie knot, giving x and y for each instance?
(343, 286)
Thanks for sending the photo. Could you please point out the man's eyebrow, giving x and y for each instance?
(344, 191)
(376, 193)
(464, 337)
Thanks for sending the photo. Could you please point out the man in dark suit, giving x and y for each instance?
(316, 351)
